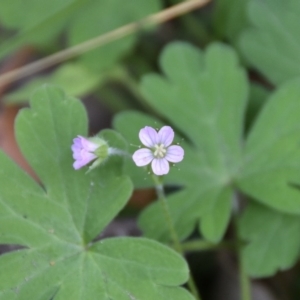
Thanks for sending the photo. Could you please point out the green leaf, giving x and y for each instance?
(272, 44)
(12, 12)
(96, 19)
(204, 96)
(41, 23)
(273, 237)
(82, 20)
(230, 18)
(205, 99)
(206, 102)
(57, 221)
(257, 98)
(73, 78)
(272, 156)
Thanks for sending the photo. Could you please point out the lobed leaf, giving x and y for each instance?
(273, 237)
(56, 223)
(204, 96)
(271, 160)
(205, 99)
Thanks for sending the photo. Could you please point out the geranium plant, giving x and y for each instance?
(199, 116)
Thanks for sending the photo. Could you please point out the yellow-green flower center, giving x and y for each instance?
(159, 151)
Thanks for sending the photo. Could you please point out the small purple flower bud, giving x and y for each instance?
(159, 151)
(86, 150)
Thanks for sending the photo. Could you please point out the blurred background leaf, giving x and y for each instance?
(273, 237)
(272, 43)
(74, 78)
(229, 19)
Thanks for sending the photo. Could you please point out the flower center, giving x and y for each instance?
(159, 151)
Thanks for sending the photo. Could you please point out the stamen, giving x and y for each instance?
(160, 151)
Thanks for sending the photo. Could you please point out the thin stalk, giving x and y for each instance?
(245, 283)
(151, 20)
(162, 198)
(201, 245)
(165, 207)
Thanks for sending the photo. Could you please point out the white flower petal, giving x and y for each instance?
(166, 136)
(160, 166)
(142, 157)
(174, 154)
(148, 136)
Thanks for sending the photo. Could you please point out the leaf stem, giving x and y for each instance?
(245, 283)
(201, 245)
(162, 198)
(154, 19)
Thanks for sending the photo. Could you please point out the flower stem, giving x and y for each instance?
(162, 198)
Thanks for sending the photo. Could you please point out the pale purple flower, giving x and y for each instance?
(159, 151)
(83, 151)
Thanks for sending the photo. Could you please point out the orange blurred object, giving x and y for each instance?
(8, 141)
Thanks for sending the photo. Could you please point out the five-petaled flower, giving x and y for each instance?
(86, 150)
(159, 150)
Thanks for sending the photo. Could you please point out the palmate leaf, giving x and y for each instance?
(270, 171)
(274, 240)
(56, 222)
(204, 97)
(272, 44)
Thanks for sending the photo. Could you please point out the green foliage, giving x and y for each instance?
(257, 98)
(272, 44)
(204, 96)
(230, 18)
(82, 20)
(57, 221)
(74, 78)
(206, 101)
(239, 129)
(272, 157)
(274, 237)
